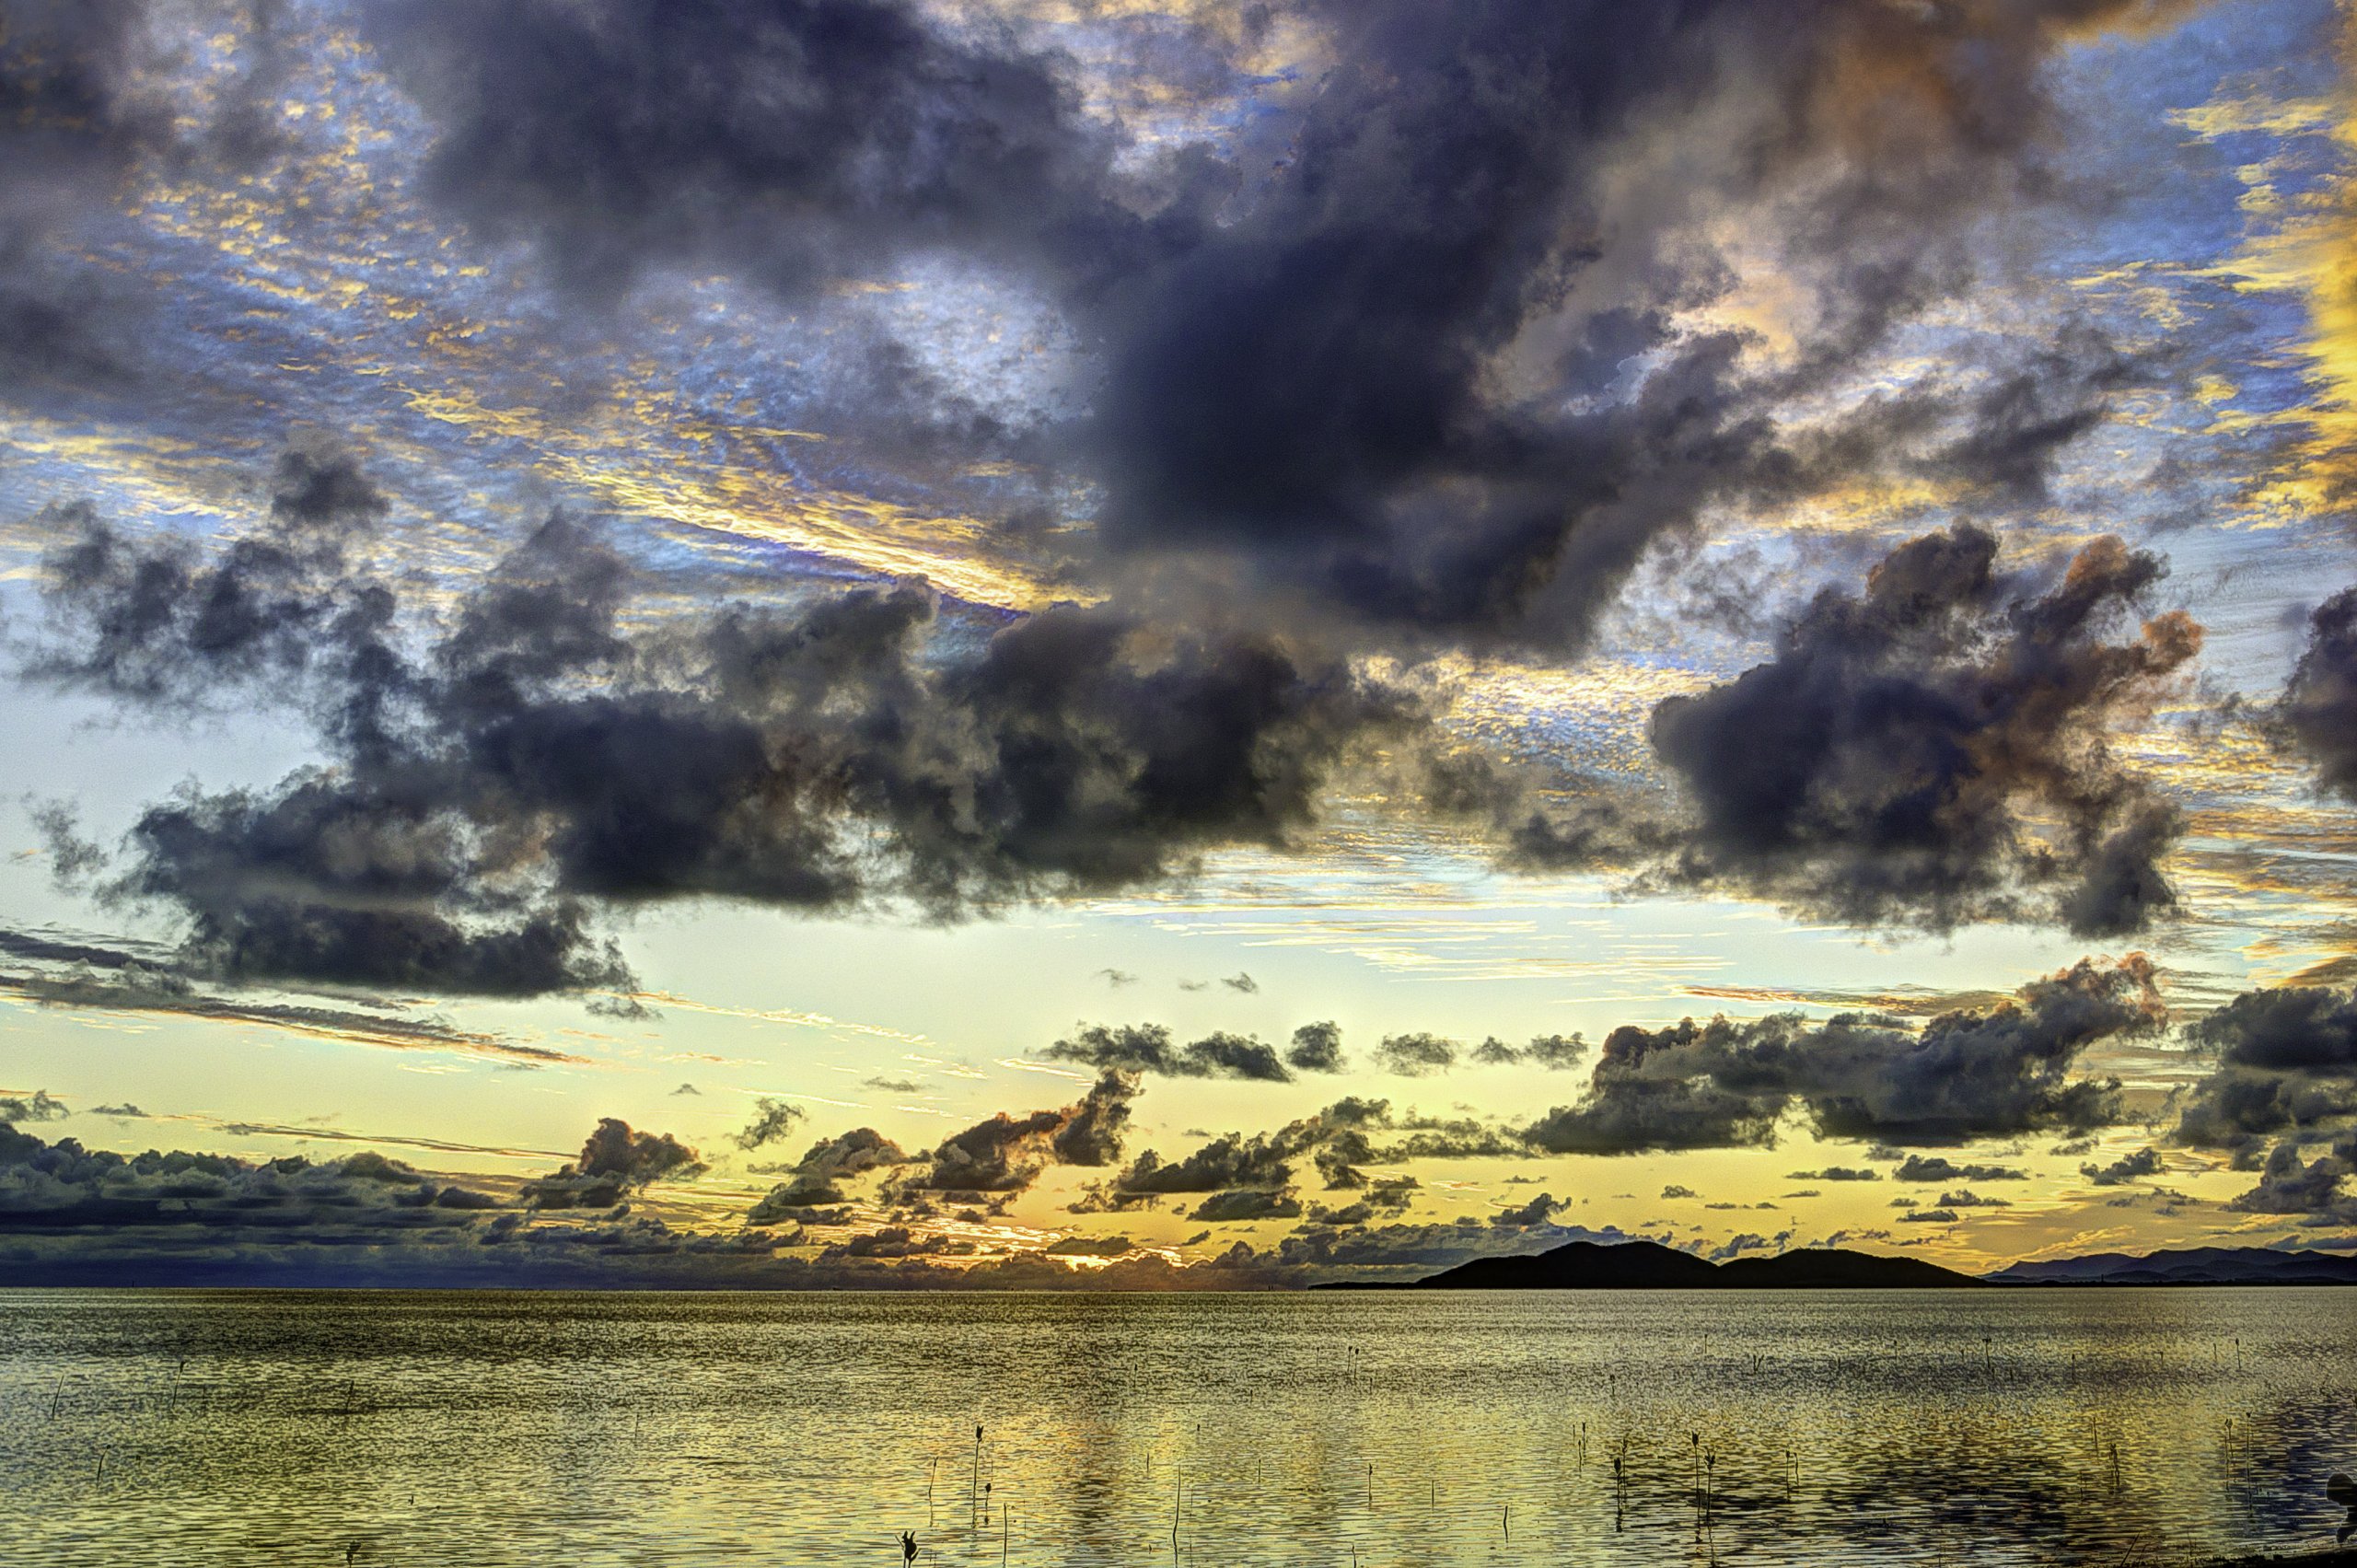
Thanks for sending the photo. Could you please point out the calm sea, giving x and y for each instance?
(1824, 1427)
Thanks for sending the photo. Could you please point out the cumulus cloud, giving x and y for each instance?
(1834, 1173)
(1246, 1203)
(47, 1186)
(1090, 1247)
(1415, 1055)
(542, 756)
(1997, 1073)
(1896, 760)
(1149, 1048)
(1539, 1211)
(2286, 1060)
(615, 1161)
(36, 1106)
(1930, 1169)
(1316, 1048)
(2289, 1186)
(1338, 1142)
(815, 1179)
(1557, 1053)
(2318, 711)
(2128, 1167)
(895, 1241)
(1750, 1241)
(1006, 1153)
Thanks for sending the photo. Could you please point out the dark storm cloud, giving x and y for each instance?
(1930, 1169)
(794, 141)
(1893, 762)
(2024, 415)
(538, 756)
(1409, 347)
(156, 618)
(2285, 1062)
(2319, 713)
(75, 118)
(1315, 383)
(1409, 370)
(86, 110)
(1964, 1076)
(613, 1161)
(1148, 1048)
(1006, 1152)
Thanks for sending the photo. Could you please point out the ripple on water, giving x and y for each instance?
(1803, 1428)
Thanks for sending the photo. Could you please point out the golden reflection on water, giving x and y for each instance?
(1826, 1427)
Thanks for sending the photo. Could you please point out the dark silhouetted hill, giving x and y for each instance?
(2191, 1266)
(1647, 1265)
(1837, 1268)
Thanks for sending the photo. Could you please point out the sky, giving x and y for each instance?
(809, 641)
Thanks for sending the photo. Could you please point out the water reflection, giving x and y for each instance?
(2016, 1427)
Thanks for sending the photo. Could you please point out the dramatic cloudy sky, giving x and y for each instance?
(1087, 640)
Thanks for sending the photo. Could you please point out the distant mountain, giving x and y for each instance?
(2191, 1266)
(1647, 1265)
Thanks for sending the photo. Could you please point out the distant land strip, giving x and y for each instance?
(1648, 1265)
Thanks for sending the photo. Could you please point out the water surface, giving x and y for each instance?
(223, 1428)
